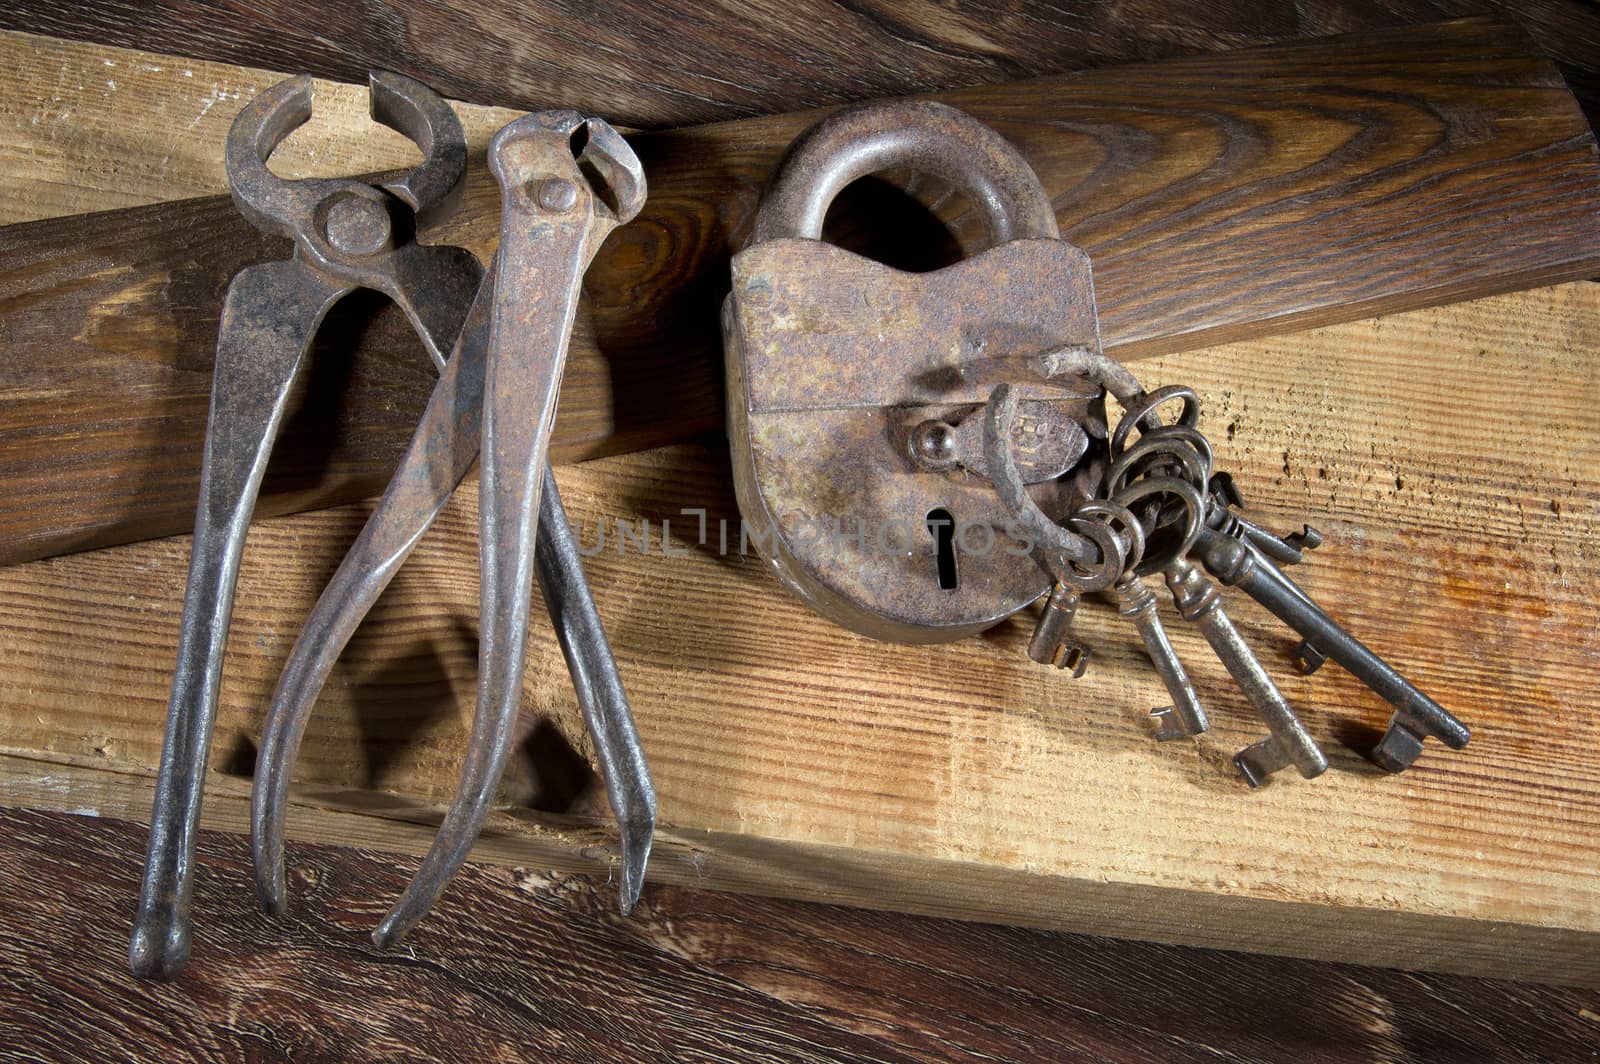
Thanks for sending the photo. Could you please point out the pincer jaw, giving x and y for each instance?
(418, 113)
(286, 206)
(270, 203)
(576, 153)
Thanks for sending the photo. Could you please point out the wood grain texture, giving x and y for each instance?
(89, 128)
(517, 964)
(1220, 197)
(794, 758)
(676, 62)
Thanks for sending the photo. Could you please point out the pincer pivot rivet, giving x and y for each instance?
(556, 194)
(357, 226)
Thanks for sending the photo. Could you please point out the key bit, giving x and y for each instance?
(1415, 717)
(1262, 758)
(1308, 658)
(1285, 550)
(1225, 499)
(1052, 642)
(1308, 538)
(347, 235)
(1200, 603)
(1223, 491)
(1185, 717)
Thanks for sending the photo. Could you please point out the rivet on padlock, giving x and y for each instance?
(857, 391)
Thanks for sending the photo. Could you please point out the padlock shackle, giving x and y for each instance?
(921, 135)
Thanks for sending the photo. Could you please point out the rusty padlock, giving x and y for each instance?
(856, 391)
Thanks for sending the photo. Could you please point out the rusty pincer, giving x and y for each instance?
(347, 235)
(566, 183)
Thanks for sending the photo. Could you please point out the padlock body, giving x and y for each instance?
(834, 359)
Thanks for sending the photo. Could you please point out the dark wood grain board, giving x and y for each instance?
(1221, 197)
(676, 62)
(104, 420)
(518, 964)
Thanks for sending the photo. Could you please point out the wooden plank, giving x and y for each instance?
(689, 974)
(677, 62)
(1221, 197)
(794, 758)
(89, 128)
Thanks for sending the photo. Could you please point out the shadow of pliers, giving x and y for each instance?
(566, 183)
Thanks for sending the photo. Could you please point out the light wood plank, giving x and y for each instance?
(87, 127)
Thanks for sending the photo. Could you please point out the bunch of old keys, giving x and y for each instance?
(865, 399)
(1159, 509)
(499, 339)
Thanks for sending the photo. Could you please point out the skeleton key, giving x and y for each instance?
(1200, 603)
(1137, 604)
(1185, 717)
(1052, 642)
(1416, 716)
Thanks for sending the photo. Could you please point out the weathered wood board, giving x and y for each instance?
(1450, 454)
(91, 128)
(1221, 197)
(660, 63)
(517, 963)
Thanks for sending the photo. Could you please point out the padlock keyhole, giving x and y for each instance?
(942, 527)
